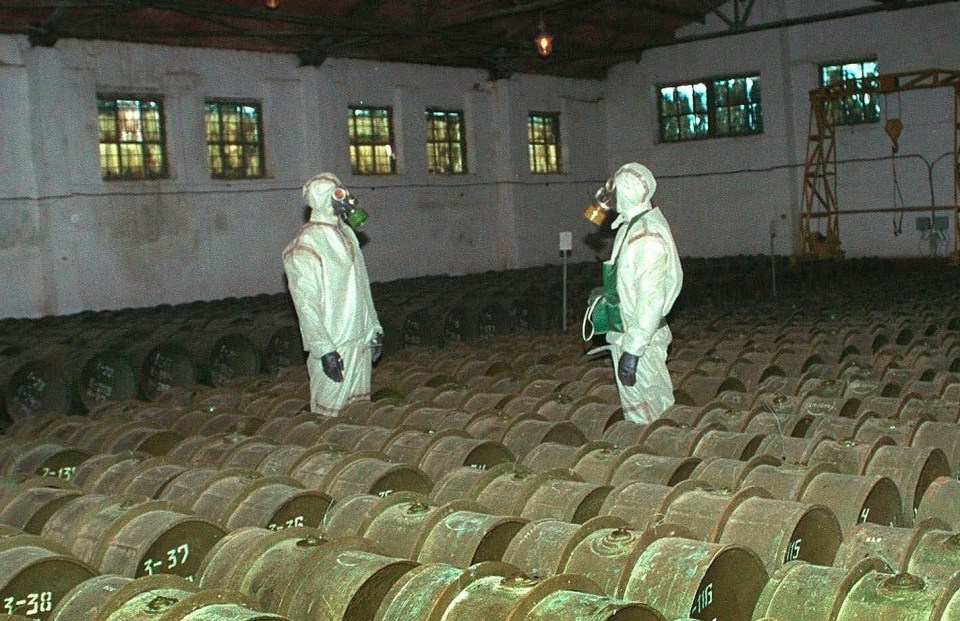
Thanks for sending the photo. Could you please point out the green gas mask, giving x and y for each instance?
(346, 206)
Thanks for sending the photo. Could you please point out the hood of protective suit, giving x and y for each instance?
(318, 191)
(635, 186)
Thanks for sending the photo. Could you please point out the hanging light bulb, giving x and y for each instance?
(544, 44)
(273, 4)
(543, 41)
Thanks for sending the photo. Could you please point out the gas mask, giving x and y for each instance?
(346, 206)
(604, 201)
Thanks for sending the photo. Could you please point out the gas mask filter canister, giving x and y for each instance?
(346, 206)
(603, 203)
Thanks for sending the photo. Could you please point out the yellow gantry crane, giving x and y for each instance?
(820, 167)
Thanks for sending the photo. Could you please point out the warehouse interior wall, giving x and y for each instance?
(725, 196)
(70, 241)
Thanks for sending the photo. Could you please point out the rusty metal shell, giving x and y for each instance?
(101, 599)
(572, 500)
(913, 469)
(780, 531)
(721, 472)
(509, 492)
(901, 596)
(44, 459)
(87, 596)
(452, 449)
(463, 538)
(638, 465)
(465, 482)
(262, 563)
(36, 575)
(644, 504)
(341, 582)
(893, 544)
(608, 554)
(29, 507)
(941, 501)
(400, 528)
(369, 472)
(801, 591)
(162, 540)
(718, 581)
(856, 499)
(425, 592)
(785, 481)
(276, 503)
(936, 554)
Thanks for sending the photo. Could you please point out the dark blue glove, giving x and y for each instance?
(332, 365)
(627, 369)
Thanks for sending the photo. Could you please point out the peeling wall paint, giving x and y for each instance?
(70, 241)
(86, 244)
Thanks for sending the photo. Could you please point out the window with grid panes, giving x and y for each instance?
(371, 141)
(131, 138)
(234, 140)
(543, 142)
(446, 144)
(855, 108)
(714, 108)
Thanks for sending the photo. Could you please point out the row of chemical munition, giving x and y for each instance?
(76, 376)
(72, 369)
(154, 561)
(472, 532)
(602, 569)
(434, 440)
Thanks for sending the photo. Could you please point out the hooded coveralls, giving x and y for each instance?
(649, 279)
(328, 282)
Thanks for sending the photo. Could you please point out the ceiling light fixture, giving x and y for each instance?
(273, 4)
(543, 41)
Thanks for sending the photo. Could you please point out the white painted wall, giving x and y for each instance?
(721, 195)
(70, 241)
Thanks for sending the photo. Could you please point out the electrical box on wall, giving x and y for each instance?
(940, 223)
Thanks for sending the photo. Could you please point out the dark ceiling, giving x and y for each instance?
(496, 35)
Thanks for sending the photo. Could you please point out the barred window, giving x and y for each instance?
(371, 141)
(714, 108)
(234, 140)
(131, 138)
(858, 107)
(543, 142)
(446, 144)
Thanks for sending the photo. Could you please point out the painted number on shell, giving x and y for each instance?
(793, 550)
(703, 599)
(63, 472)
(295, 521)
(30, 604)
(175, 557)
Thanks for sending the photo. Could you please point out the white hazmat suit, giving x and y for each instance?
(649, 279)
(328, 282)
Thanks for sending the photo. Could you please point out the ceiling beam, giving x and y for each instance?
(55, 4)
(540, 6)
(880, 5)
(672, 12)
(44, 34)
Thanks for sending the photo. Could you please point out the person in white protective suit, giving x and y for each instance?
(645, 268)
(328, 282)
